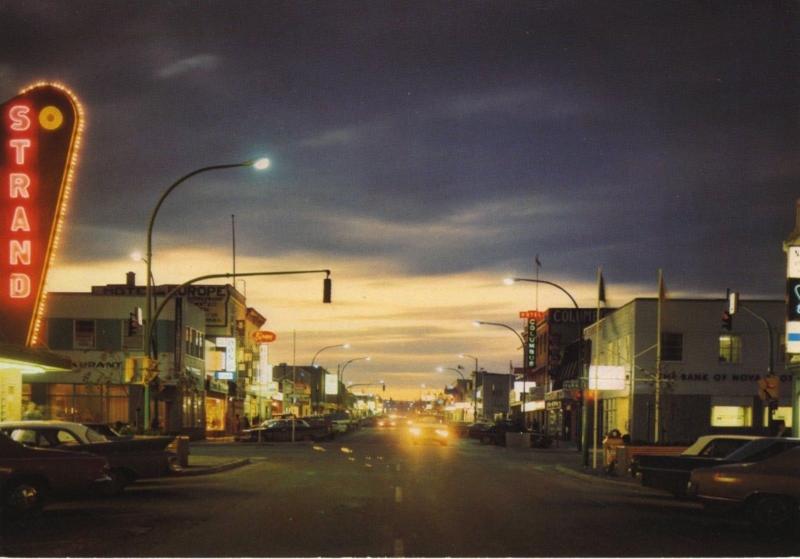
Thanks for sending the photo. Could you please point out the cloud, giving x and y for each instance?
(185, 65)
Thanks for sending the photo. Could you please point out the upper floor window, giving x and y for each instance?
(671, 346)
(84, 334)
(730, 348)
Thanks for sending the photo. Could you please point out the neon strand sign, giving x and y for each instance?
(40, 137)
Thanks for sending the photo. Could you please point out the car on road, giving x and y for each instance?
(342, 421)
(429, 429)
(129, 458)
(766, 491)
(280, 430)
(321, 423)
(30, 476)
(671, 473)
(713, 446)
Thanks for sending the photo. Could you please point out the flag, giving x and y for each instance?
(601, 287)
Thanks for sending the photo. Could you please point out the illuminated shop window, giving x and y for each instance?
(731, 416)
(84, 334)
(730, 349)
(783, 413)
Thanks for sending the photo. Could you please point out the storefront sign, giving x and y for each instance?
(572, 316)
(228, 345)
(264, 337)
(331, 384)
(530, 345)
(606, 377)
(535, 315)
(225, 375)
(40, 132)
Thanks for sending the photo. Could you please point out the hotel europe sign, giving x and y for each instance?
(40, 137)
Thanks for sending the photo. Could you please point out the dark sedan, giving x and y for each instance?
(275, 430)
(28, 476)
(130, 459)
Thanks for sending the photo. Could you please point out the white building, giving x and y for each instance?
(709, 375)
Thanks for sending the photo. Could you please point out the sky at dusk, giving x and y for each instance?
(423, 151)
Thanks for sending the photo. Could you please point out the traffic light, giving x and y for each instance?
(326, 290)
(130, 369)
(384, 387)
(727, 321)
(134, 321)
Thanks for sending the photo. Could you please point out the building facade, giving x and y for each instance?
(709, 376)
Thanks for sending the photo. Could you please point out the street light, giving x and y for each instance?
(584, 445)
(479, 323)
(443, 369)
(150, 350)
(313, 365)
(474, 385)
(343, 367)
(314, 359)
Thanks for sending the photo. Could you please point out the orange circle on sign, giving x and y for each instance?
(50, 118)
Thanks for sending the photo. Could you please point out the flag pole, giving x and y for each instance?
(601, 296)
(657, 403)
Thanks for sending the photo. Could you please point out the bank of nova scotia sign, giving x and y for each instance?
(40, 136)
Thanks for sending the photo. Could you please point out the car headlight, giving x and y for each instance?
(442, 432)
(416, 431)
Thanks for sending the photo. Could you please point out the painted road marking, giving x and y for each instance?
(398, 548)
(398, 494)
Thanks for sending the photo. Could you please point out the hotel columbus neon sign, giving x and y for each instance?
(40, 137)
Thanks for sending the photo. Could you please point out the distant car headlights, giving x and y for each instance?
(442, 433)
(415, 431)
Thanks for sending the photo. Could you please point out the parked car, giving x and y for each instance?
(476, 430)
(459, 428)
(342, 421)
(129, 458)
(713, 446)
(541, 440)
(671, 473)
(30, 476)
(276, 430)
(110, 432)
(766, 491)
(496, 434)
(323, 424)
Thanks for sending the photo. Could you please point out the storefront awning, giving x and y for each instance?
(30, 361)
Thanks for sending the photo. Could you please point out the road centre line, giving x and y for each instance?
(398, 548)
(398, 494)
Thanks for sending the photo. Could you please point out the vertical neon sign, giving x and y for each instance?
(40, 135)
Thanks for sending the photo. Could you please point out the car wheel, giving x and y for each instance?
(119, 479)
(24, 497)
(772, 514)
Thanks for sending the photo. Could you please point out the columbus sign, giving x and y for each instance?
(40, 135)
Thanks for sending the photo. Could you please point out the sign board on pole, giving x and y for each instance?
(331, 384)
(538, 316)
(530, 345)
(606, 377)
(793, 315)
(40, 134)
(264, 337)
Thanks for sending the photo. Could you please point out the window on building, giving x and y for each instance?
(731, 416)
(783, 413)
(84, 334)
(671, 346)
(730, 348)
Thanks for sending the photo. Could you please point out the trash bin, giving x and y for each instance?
(182, 451)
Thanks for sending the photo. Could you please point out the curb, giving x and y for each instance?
(592, 477)
(211, 469)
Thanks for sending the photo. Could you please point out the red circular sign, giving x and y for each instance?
(264, 336)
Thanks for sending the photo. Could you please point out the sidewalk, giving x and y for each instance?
(571, 463)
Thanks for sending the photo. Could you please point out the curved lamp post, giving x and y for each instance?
(584, 445)
(474, 385)
(314, 359)
(346, 363)
(524, 365)
(150, 350)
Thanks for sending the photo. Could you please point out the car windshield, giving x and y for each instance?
(760, 449)
(94, 437)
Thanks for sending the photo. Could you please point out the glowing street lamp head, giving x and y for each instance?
(476, 323)
(440, 369)
(346, 346)
(136, 256)
(261, 164)
(509, 281)
(368, 358)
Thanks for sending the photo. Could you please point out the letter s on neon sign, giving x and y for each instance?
(19, 118)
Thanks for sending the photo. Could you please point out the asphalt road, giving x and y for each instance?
(372, 493)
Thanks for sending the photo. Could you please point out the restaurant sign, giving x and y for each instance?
(40, 132)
